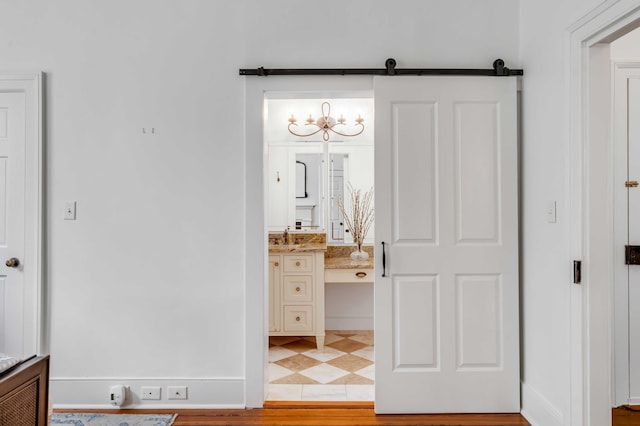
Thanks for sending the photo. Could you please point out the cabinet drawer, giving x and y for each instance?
(348, 275)
(297, 288)
(298, 318)
(298, 263)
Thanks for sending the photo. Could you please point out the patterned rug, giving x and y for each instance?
(102, 419)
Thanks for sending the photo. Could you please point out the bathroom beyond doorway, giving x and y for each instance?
(342, 371)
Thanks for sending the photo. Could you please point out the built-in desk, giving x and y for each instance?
(343, 271)
(348, 289)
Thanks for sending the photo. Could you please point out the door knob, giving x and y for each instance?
(12, 263)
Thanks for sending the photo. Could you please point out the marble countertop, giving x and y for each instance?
(296, 248)
(339, 257)
(336, 256)
(297, 242)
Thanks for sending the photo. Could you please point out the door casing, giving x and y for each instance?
(256, 252)
(621, 338)
(35, 335)
(590, 165)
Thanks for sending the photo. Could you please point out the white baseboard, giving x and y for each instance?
(538, 410)
(348, 323)
(93, 392)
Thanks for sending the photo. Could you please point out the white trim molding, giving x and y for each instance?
(228, 392)
(590, 158)
(31, 83)
(539, 411)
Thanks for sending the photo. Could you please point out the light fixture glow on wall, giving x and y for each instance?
(325, 123)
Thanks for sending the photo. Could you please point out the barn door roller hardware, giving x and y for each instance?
(498, 70)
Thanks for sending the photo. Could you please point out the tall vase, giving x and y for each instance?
(359, 254)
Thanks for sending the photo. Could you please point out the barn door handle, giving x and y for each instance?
(384, 261)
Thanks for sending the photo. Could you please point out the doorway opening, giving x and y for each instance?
(321, 313)
(22, 297)
(626, 157)
(594, 304)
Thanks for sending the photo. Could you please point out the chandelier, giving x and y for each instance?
(325, 123)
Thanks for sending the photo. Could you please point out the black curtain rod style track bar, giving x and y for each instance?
(498, 70)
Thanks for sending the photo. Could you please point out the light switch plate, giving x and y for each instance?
(70, 210)
(551, 212)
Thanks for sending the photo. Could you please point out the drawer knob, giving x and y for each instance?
(361, 274)
(297, 288)
(298, 319)
(276, 264)
(297, 263)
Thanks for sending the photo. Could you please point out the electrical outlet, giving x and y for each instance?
(150, 392)
(176, 392)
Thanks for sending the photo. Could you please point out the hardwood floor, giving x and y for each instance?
(338, 414)
(328, 415)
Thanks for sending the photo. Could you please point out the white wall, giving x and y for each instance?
(627, 47)
(147, 286)
(348, 306)
(546, 247)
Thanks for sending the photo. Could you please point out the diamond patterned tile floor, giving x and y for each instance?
(341, 371)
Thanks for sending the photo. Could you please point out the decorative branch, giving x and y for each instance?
(360, 217)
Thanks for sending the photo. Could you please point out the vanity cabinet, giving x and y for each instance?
(296, 295)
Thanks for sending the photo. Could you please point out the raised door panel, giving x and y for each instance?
(479, 334)
(477, 148)
(416, 323)
(416, 167)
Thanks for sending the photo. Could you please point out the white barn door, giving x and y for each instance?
(446, 180)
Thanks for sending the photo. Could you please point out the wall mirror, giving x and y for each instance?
(306, 175)
(301, 179)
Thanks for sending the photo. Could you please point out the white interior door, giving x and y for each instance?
(633, 168)
(21, 293)
(446, 311)
(12, 222)
(626, 129)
